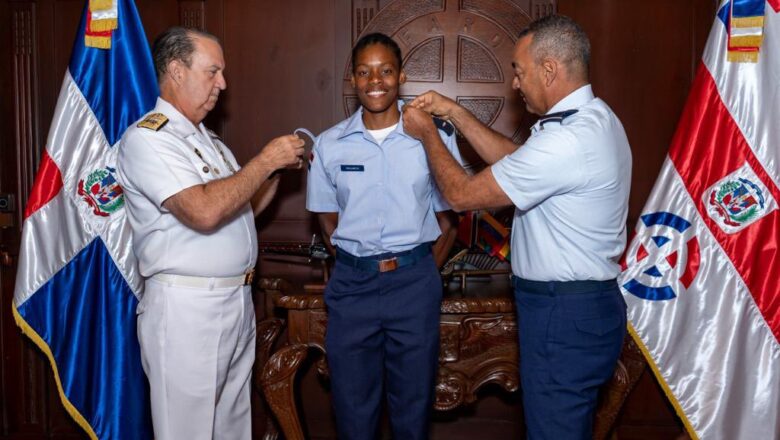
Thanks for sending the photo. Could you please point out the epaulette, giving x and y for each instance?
(555, 117)
(153, 121)
(443, 125)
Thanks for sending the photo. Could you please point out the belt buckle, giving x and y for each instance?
(248, 277)
(388, 265)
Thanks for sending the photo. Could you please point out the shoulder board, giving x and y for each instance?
(443, 125)
(153, 121)
(556, 117)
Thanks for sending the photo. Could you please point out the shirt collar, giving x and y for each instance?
(355, 124)
(176, 121)
(573, 100)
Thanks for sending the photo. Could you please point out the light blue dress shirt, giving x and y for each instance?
(385, 194)
(569, 183)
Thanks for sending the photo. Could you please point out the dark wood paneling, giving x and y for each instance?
(643, 73)
(285, 67)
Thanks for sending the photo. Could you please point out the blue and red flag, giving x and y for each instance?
(701, 273)
(77, 284)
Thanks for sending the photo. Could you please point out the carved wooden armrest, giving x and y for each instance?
(278, 379)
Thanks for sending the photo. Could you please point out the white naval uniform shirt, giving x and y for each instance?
(570, 183)
(153, 166)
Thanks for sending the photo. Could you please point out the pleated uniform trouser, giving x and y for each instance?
(383, 333)
(197, 349)
(569, 346)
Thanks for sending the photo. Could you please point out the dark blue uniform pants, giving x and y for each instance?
(383, 329)
(570, 340)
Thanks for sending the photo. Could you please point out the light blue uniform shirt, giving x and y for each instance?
(569, 183)
(385, 194)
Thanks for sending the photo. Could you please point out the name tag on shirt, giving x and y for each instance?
(358, 168)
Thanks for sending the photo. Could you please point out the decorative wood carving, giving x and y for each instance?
(277, 380)
(476, 62)
(25, 96)
(486, 109)
(460, 48)
(363, 11)
(400, 12)
(503, 12)
(478, 346)
(192, 14)
(301, 302)
(426, 61)
(267, 333)
(542, 8)
(477, 305)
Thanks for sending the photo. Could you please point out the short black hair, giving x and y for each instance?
(377, 38)
(175, 43)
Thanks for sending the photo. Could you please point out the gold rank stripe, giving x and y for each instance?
(747, 22)
(97, 41)
(103, 25)
(736, 56)
(100, 5)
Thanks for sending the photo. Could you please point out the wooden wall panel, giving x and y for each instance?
(644, 73)
(285, 67)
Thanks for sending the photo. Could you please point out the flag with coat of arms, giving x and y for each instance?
(701, 272)
(77, 281)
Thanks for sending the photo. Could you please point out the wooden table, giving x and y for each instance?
(478, 347)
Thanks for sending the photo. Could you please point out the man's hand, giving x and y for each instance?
(435, 104)
(418, 124)
(283, 152)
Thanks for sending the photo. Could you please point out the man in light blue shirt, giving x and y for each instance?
(378, 205)
(569, 183)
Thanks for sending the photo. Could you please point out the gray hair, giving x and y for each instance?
(561, 38)
(176, 43)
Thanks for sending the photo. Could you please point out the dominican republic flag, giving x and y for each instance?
(77, 282)
(702, 274)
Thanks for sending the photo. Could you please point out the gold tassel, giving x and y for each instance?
(746, 22)
(100, 5)
(97, 41)
(736, 56)
(103, 25)
(746, 41)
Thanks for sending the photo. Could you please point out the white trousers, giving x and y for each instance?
(197, 349)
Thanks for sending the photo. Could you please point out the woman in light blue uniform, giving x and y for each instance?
(379, 206)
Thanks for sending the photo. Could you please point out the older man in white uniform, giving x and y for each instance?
(192, 208)
(569, 183)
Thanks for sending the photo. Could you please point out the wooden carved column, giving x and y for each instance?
(25, 372)
(25, 97)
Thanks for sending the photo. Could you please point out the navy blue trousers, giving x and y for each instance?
(569, 346)
(383, 334)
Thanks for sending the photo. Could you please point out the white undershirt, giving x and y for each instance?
(381, 134)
